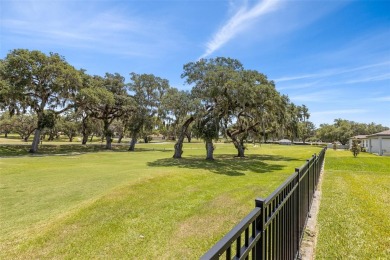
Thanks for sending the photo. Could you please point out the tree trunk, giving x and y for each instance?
(237, 144)
(241, 148)
(90, 140)
(120, 139)
(35, 143)
(209, 150)
(108, 142)
(188, 137)
(263, 129)
(85, 139)
(241, 151)
(178, 149)
(146, 140)
(51, 136)
(108, 135)
(304, 134)
(179, 143)
(70, 139)
(132, 143)
(6, 134)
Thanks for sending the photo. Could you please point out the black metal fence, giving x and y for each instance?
(275, 228)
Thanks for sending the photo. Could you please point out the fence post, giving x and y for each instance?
(260, 247)
(308, 187)
(298, 203)
(278, 221)
(314, 172)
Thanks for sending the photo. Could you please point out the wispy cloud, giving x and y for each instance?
(109, 30)
(298, 86)
(380, 77)
(381, 99)
(316, 96)
(327, 116)
(369, 45)
(340, 112)
(238, 22)
(338, 71)
(298, 77)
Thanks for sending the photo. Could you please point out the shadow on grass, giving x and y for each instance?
(50, 149)
(227, 164)
(10, 150)
(14, 149)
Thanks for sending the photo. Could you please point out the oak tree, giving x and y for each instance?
(37, 82)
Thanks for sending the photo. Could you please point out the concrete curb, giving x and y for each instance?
(307, 250)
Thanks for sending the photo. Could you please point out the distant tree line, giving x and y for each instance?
(342, 130)
(43, 95)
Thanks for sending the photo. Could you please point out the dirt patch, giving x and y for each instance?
(309, 241)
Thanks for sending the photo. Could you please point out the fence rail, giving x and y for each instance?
(275, 227)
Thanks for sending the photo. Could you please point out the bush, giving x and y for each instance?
(355, 149)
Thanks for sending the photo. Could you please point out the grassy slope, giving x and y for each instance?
(133, 205)
(354, 214)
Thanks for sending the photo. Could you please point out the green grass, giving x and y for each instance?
(123, 205)
(15, 147)
(354, 217)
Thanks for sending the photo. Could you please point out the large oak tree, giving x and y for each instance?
(107, 100)
(213, 82)
(37, 82)
(148, 91)
(256, 104)
(179, 108)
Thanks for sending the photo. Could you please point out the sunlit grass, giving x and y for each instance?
(143, 204)
(354, 217)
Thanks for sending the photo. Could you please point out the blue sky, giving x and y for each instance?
(331, 55)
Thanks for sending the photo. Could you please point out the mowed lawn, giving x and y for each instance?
(132, 205)
(354, 217)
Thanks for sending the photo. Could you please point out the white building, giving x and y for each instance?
(285, 142)
(379, 143)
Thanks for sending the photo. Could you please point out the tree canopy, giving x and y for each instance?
(342, 130)
(37, 82)
(106, 99)
(148, 91)
(43, 94)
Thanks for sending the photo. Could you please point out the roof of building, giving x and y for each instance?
(359, 137)
(383, 133)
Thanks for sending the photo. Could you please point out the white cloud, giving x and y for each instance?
(339, 71)
(266, 20)
(322, 96)
(298, 77)
(369, 45)
(305, 85)
(369, 79)
(339, 112)
(108, 30)
(327, 116)
(381, 99)
(238, 22)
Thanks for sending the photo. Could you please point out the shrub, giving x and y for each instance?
(355, 149)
